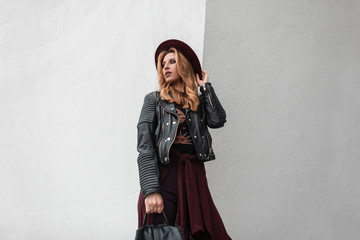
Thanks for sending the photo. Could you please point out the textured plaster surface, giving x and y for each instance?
(287, 73)
(73, 76)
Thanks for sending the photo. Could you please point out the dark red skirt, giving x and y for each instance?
(184, 184)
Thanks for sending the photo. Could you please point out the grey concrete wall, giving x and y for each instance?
(73, 76)
(287, 73)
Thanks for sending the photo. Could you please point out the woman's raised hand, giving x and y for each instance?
(204, 78)
(154, 203)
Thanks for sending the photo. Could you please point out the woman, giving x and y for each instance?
(174, 142)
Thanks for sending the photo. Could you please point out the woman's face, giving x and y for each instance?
(169, 69)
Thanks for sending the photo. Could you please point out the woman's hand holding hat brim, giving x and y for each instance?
(204, 78)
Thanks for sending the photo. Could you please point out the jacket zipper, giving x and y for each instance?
(206, 131)
(177, 125)
(212, 106)
(208, 141)
(162, 135)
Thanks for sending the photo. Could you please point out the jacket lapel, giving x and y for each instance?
(169, 107)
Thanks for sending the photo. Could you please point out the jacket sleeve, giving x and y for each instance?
(147, 160)
(215, 113)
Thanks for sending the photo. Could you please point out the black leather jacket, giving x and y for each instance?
(157, 129)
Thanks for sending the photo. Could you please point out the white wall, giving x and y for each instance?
(73, 75)
(287, 73)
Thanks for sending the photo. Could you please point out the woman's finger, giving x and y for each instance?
(197, 77)
(147, 208)
(161, 209)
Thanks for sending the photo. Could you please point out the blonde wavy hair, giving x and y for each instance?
(188, 100)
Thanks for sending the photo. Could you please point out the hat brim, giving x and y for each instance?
(185, 49)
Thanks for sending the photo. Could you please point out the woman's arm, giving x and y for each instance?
(148, 171)
(215, 113)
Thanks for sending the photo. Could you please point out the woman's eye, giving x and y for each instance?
(172, 61)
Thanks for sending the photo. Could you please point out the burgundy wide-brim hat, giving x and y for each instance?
(185, 49)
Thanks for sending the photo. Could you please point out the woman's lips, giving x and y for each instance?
(167, 74)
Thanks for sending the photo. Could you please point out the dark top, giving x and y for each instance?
(183, 142)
